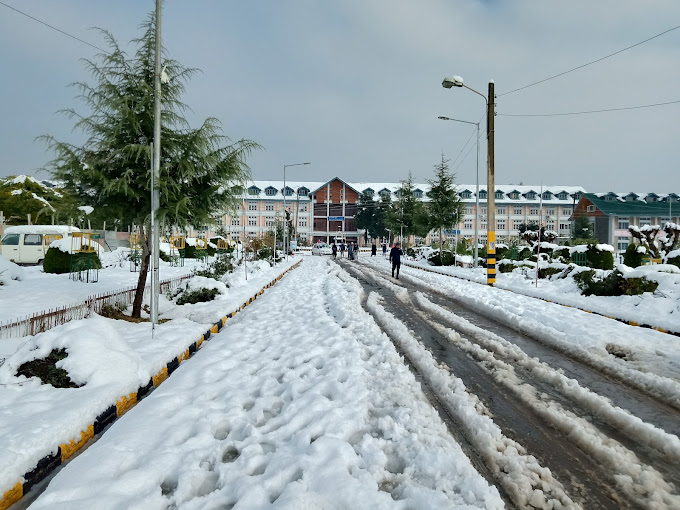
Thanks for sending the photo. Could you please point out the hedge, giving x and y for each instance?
(59, 262)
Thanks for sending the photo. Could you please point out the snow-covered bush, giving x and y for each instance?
(673, 257)
(612, 284)
(634, 255)
(57, 261)
(445, 259)
(600, 256)
(9, 271)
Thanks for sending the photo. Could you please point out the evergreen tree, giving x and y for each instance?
(408, 212)
(111, 171)
(583, 228)
(445, 208)
(370, 217)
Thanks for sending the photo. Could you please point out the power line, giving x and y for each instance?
(586, 112)
(52, 27)
(589, 63)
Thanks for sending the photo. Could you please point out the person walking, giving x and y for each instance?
(374, 250)
(395, 258)
(384, 247)
(334, 250)
(356, 251)
(350, 251)
(342, 249)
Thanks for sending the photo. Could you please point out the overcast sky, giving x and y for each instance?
(354, 86)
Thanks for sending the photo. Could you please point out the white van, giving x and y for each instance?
(27, 244)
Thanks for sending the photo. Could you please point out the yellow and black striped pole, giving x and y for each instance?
(490, 191)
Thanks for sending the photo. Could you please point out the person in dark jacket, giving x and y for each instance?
(350, 251)
(395, 258)
(342, 249)
(334, 249)
(384, 247)
(374, 250)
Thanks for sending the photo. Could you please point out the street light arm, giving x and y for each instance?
(458, 120)
(478, 93)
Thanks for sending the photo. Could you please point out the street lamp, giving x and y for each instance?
(474, 264)
(285, 221)
(457, 81)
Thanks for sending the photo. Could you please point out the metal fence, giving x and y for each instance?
(48, 319)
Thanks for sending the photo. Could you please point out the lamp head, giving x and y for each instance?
(452, 81)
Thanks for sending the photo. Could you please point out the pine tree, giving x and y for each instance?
(445, 208)
(370, 217)
(111, 170)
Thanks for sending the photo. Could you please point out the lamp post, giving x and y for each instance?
(285, 221)
(474, 264)
(457, 81)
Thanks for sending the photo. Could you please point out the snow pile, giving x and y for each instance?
(9, 271)
(87, 209)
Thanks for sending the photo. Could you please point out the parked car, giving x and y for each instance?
(27, 244)
(321, 249)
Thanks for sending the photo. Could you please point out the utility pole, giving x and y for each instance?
(491, 190)
(155, 189)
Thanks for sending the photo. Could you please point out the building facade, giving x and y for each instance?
(324, 211)
(612, 213)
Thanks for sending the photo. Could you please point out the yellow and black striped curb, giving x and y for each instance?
(624, 321)
(65, 450)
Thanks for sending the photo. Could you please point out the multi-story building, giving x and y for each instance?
(612, 213)
(324, 211)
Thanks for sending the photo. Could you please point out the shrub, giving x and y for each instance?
(525, 253)
(216, 269)
(46, 370)
(197, 296)
(674, 260)
(505, 267)
(599, 259)
(190, 252)
(547, 272)
(165, 257)
(501, 252)
(59, 262)
(445, 259)
(562, 252)
(633, 258)
(613, 284)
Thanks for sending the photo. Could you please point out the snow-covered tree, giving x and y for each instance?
(657, 246)
(111, 170)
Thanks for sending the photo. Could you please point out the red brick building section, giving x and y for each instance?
(334, 205)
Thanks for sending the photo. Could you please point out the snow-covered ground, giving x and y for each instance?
(660, 309)
(301, 401)
(36, 290)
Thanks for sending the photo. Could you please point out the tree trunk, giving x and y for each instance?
(141, 282)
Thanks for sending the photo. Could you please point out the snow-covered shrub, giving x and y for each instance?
(613, 284)
(9, 271)
(600, 256)
(673, 257)
(525, 253)
(57, 261)
(563, 253)
(197, 296)
(547, 272)
(634, 255)
(445, 259)
(217, 269)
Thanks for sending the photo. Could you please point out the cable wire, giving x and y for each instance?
(52, 27)
(586, 112)
(589, 63)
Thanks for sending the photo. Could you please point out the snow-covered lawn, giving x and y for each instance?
(661, 309)
(300, 401)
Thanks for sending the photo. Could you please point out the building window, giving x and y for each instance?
(516, 224)
(469, 210)
(500, 209)
(418, 194)
(624, 223)
(550, 224)
(269, 221)
(252, 222)
(302, 222)
(644, 220)
(590, 208)
(466, 194)
(270, 191)
(303, 208)
(565, 226)
(269, 206)
(252, 206)
(550, 211)
(482, 210)
(566, 210)
(467, 224)
(501, 224)
(253, 191)
(482, 194)
(235, 222)
(518, 210)
(483, 225)
(622, 244)
(534, 211)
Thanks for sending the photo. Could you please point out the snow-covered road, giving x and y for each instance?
(300, 402)
(304, 401)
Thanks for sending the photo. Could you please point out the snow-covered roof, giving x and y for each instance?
(393, 187)
(41, 229)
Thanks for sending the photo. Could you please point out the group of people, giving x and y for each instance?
(353, 252)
